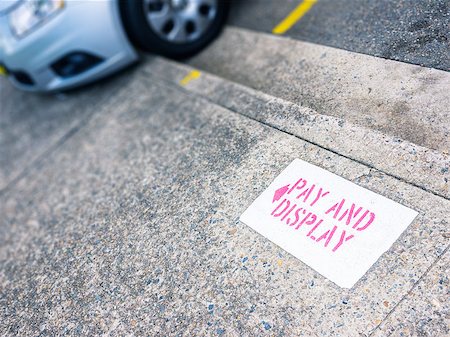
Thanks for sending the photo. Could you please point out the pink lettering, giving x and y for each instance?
(296, 184)
(306, 193)
(342, 240)
(350, 214)
(319, 195)
(297, 217)
(371, 219)
(327, 236)
(304, 220)
(313, 229)
(288, 212)
(276, 209)
(336, 208)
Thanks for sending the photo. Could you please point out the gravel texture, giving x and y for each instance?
(31, 125)
(131, 226)
(402, 100)
(418, 165)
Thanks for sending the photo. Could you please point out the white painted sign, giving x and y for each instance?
(333, 225)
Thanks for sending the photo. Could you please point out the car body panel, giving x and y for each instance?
(89, 26)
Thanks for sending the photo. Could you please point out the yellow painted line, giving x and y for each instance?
(293, 17)
(191, 76)
(3, 71)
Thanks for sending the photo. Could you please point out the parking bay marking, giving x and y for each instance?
(333, 225)
(293, 17)
(191, 76)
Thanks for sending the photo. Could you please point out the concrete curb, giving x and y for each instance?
(403, 100)
(422, 167)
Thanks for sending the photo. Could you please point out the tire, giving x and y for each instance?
(186, 31)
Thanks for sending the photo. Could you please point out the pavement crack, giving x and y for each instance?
(410, 291)
(39, 160)
(371, 167)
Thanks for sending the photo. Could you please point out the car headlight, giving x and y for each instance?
(32, 13)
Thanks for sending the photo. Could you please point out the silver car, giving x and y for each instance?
(51, 45)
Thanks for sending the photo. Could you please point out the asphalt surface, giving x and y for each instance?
(409, 31)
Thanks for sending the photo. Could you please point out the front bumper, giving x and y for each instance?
(91, 27)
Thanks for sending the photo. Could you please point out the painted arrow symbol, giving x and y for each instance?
(279, 193)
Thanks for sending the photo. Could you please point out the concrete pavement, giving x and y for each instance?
(33, 125)
(119, 214)
(395, 98)
(131, 226)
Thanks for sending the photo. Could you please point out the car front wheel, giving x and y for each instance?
(174, 28)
